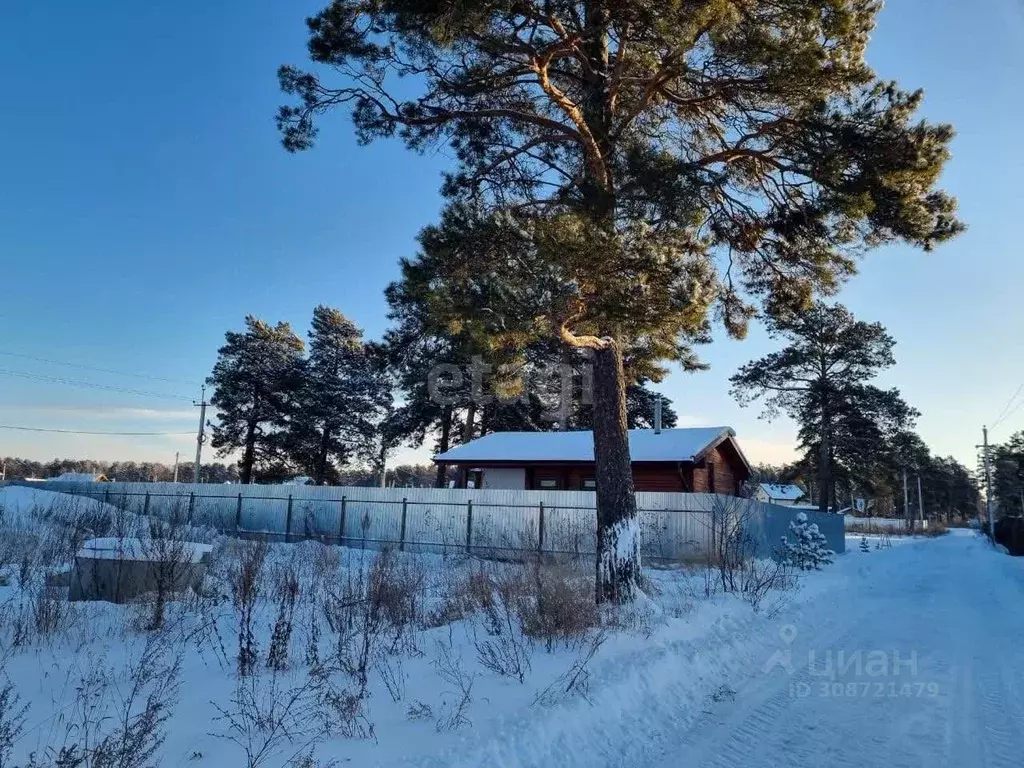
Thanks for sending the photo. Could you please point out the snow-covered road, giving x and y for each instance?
(917, 660)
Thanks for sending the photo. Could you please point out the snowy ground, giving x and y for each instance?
(695, 677)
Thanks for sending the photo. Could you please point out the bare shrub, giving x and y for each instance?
(504, 650)
(12, 722)
(280, 640)
(733, 556)
(575, 681)
(170, 560)
(268, 717)
(455, 704)
(392, 673)
(557, 604)
(246, 584)
(763, 577)
(463, 595)
(419, 711)
(39, 612)
(138, 714)
(372, 613)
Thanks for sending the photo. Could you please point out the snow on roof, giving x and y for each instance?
(644, 445)
(79, 477)
(784, 492)
(144, 550)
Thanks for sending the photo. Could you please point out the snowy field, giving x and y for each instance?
(359, 658)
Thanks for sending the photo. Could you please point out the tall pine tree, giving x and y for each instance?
(338, 401)
(631, 143)
(821, 379)
(255, 382)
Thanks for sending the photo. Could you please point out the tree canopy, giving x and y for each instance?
(626, 170)
(822, 379)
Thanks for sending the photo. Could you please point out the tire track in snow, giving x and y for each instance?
(952, 601)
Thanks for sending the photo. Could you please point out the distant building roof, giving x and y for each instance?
(782, 492)
(81, 477)
(644, 445)
(299, 480)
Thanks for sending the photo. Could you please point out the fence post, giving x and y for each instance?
(106, 495)
(191, 506)
(540, 529)
(469, 525)
(145, 505)
(714, 531)
(288, 521)
(401, 542)
(238, 514)
(341, 524)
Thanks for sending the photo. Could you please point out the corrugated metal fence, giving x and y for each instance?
(674, 526)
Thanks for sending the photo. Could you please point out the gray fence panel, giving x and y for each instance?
(772, 523)
(674, 526)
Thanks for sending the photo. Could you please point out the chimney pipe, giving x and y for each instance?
(657, 414)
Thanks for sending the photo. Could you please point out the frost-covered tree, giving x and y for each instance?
(661, 161)
(804, 546)
(255, 381)
(864, 546)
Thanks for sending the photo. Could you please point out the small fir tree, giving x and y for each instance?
(804, 547)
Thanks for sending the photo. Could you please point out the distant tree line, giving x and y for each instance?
(402, 475)
(1007, 471)
(124, 471)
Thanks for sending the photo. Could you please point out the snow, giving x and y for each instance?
(697, 680)
(644, 445)
(78, 477)
(139, 549)
(777, 492)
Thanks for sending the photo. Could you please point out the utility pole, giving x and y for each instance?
(176, 455)
(201, 437)
(906, 502)
(988, 486)
(920, 503)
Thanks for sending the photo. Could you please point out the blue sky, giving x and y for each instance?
(146, 207)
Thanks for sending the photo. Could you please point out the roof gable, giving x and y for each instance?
(644, 445)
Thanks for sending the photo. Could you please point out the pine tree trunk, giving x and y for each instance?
(824, 462)
(467, 435)
(618, 530)
(320, 475)
(443, 444)
(248, 454)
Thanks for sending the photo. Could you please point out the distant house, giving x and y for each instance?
(774, 493)
(81, 477)
(298, 480)
(699, 460)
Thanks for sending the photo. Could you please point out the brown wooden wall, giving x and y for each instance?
(721, 470)
(647, 476)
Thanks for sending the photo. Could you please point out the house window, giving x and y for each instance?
(548, 483)
(588, 484)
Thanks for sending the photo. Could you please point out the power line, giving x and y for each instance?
(85, 432)
(88, 384)
(1010, 413)
(1003, 414)
(100, 370)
